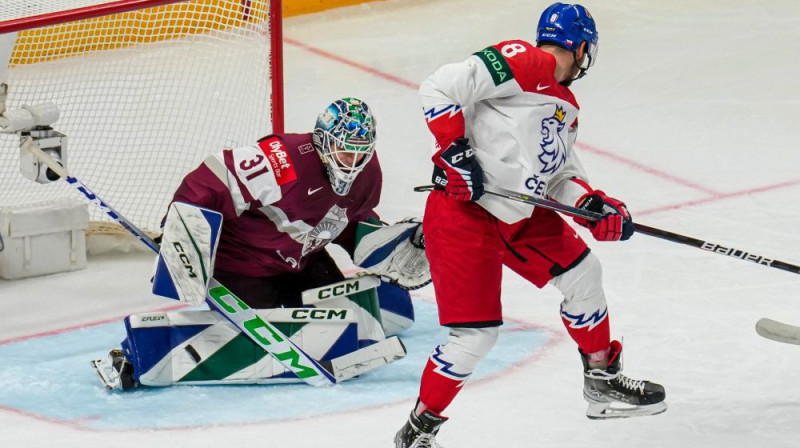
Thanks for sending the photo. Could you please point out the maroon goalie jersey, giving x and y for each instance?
(277, 204)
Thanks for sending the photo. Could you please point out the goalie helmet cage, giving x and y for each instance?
(146, 90)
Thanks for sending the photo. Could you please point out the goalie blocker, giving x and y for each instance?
(341, 331)
(185, 261)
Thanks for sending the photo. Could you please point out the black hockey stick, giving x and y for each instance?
(641, 228)
(766, 328)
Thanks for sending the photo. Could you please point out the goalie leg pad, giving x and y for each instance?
(397, 310)
(366, 308)
(201, 347)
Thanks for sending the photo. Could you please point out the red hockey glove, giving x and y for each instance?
(464, 175)
(616, 223)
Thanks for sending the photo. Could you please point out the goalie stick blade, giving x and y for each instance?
(778, 331)
(368, 358)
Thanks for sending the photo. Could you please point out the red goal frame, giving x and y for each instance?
(120, 6)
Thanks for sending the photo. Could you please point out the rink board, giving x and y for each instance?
(50, 378)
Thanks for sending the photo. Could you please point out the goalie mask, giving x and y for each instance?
(344, 137)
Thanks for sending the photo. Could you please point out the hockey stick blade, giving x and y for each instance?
(778, 331)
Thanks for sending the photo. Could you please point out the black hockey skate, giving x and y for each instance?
(115, 371)
(611, 394)
(420, 431)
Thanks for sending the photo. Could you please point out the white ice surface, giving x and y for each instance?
(690, 116)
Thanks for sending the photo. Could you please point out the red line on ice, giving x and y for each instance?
(74, 424)
(719, 197)
(646, 169)
(713, 194)
(84, 325)
(351, 63)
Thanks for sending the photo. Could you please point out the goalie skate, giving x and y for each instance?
(611, 394)
(115, 371)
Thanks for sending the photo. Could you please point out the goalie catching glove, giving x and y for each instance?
(395, 253)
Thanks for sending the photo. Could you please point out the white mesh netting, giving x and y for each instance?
(144, 97)
(18, 9)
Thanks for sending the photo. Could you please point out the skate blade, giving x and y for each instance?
(602, 411)
(107, 381)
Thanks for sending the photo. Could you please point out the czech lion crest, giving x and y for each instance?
(554, 151)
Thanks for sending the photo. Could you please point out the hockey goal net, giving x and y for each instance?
(146, 89)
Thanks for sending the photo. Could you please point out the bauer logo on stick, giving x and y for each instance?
(736, 253)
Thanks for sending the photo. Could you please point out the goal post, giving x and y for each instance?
(145, 89)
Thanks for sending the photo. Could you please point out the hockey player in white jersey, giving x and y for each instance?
(505, 117)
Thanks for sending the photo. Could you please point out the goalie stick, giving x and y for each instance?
(778, 331)
(62, 173)
(641, 228)
(263, 333)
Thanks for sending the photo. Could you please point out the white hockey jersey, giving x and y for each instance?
(520, 121)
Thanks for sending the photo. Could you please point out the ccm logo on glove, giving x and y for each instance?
(464, 174)
(459, 157)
